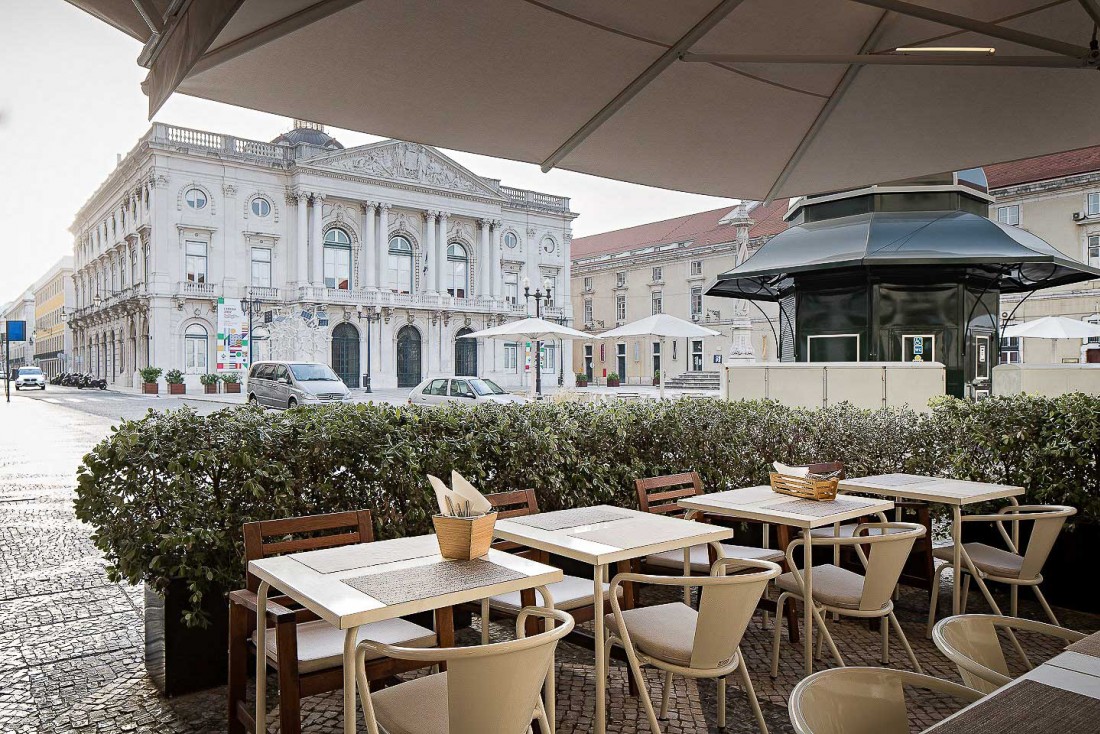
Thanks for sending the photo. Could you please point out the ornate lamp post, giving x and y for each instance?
(370, 314)
(250, 305)
(539, 296)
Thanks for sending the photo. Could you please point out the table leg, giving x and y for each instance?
(261, 657)
(598, 722)
(687, 572)
(808, 600)
(350, 636)
(956, 556)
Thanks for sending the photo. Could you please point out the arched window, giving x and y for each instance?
(337, 259)
(135, 274)
(400, 265)
(458, 270)
(195, 350)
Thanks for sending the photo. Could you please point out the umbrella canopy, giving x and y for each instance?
(750, 98)
(1053, 327)
(662, 325)
(530, 328)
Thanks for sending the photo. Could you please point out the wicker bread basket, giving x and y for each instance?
(806, 488)
(464, 538)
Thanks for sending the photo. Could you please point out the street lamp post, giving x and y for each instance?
(250, 304)
(371, 314)
(538, 295)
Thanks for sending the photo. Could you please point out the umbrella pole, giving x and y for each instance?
(661, 391)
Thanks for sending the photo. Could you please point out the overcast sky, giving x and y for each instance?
(70, 101)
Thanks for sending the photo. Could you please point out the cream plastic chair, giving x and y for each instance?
(696, 644)
(487, 689)
(849, 594)
(862, 700)
(986, 563)
(972, 643)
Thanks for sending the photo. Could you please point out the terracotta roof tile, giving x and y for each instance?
(700, 229)
(1044, 167)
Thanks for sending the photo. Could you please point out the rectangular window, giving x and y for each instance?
(588, 312)
(1093, 254)
(696, 267)
(552, 291)
(656, 357)
(511, 357)
(655, 302)
(195, 265)
(338, 268)
(261, 267)
(1009, 215)
(549, 357)
(657, 275)
(588, 283)
(918, 348)
(696, 300)
(1010, 350)
(511, 288)
(1093, 207)
(833, 348)
(620, 308)
(620, 279)
(1093, 339)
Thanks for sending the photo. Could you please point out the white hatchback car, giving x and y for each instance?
(464, 390)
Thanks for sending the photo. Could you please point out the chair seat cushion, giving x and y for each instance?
(321, 646)
(572, 592)
(833, 586)
(665, 631)
(418, 706)
(987, 559)
(700, 558)
(847, 530)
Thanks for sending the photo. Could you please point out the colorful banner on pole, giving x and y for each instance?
(232, 336)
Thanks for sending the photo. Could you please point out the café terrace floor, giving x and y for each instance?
(71, 642)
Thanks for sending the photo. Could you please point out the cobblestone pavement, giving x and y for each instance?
(71, 641)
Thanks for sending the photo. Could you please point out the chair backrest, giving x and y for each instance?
(971, 641)
(1048, 521)
(266, 538)
(726, 605)
(490, 688)
(660, 494)
(519, 503)
(861, 700)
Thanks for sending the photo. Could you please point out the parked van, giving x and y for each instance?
(289, 384)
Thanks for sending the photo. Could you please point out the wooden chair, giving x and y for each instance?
(305, 651)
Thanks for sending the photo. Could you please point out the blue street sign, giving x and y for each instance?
(17, 331)
(918, 345)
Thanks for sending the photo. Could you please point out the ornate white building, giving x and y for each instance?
(323, 246)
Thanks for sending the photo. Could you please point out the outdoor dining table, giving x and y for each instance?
(353, 585)
(763, 504)
(1061, 695)
(955, 493)
(600, 536)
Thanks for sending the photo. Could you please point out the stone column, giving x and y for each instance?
(441, 252)
(317, 253)
(369, 278)
(484, 284)
(495, 266)
(382, 242)
(301, 243)
(430, 251)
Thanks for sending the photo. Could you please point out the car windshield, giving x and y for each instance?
(29, 371)
(486, 387)
(313, 373)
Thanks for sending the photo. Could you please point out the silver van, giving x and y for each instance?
(289, 384)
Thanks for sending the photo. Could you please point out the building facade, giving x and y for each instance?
(20, 354)
(53, 300)
(664, 267)
(382, 254)
(1057, 198)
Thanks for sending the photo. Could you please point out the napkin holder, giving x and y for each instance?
(464, 538)
(807, 488)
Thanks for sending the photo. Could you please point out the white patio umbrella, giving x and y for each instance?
(529, 329)
(744, 98)
(662, 326)
(1053, 327)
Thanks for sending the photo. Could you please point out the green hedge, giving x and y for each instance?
(168, 493)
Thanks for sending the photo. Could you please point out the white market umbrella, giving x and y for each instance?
(734, 98)
(663, 326)
(529, 329)
(1053, 327)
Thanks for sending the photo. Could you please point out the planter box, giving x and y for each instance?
(582, 383)
(181, 659)
(150, 388)
(177, 389)
(210, 389)
(612, 383)
(232, 387)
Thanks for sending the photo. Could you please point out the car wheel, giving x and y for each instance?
(43, 387)
(292, 403)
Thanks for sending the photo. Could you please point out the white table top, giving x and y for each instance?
(761, 503)
(929, 489)
(639, 534)
(1078, 663)
(340, 605)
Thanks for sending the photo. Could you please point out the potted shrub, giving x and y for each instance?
(582, 379)
(209, 382)
(656, 378)
(174, 378)
(149, 377)
(232, 381)
(612, 379)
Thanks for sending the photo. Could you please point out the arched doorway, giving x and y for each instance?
(408, 357)
(465, 354)
(345, 354)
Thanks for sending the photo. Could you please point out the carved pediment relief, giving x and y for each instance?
(403, 162)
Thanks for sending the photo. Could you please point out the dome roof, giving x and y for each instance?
(310, 136)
